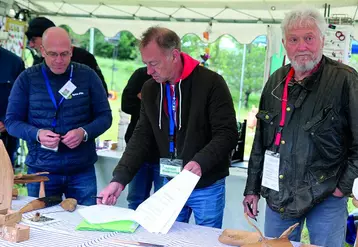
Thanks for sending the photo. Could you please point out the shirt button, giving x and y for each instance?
(283, 142)
(281, 176)
(288, 109)
(282, 210)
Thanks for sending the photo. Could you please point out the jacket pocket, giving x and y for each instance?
(326, 132)
(268, 125)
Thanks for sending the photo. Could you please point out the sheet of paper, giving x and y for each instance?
(185, 196)
(271, 171)
(158, 213)
(98, 214)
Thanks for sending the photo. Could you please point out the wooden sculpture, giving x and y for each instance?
(6, 179)
(9, 229)
(69, 204)
(32, 178)
(255, 239)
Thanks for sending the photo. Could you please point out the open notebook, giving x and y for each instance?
(157, 214)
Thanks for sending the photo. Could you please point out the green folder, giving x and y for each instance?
(115, 226)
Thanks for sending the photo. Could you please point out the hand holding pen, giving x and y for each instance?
(250, 205)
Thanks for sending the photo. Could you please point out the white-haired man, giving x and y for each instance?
(305, 154)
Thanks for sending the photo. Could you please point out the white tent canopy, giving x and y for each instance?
(243, 19)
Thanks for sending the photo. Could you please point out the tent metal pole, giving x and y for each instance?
(91, 41)
(242, 80)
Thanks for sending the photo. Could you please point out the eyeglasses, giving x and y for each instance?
(54, 55)
(273, 91)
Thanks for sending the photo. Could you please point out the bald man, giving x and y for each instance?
(59, 107)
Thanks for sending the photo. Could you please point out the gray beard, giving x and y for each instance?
(307, 66)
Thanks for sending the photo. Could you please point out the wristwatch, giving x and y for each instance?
(85, 135)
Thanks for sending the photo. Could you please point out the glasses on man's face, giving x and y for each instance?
(54, 55)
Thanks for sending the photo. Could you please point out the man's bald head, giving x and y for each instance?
(57, 36)
(56, 49)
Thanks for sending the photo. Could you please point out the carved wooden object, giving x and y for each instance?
(9, 229)
(16, 233)
(6, 179)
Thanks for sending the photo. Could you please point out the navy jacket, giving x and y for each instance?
(30, 109)
(11, 67)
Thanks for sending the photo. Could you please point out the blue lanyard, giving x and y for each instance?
(171, 111)
(52, 96)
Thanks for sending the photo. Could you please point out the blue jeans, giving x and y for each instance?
(141, 185)
(326, 223)
(80, 186)
(207, 204)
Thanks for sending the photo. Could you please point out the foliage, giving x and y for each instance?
(227, 61)
(124, 41)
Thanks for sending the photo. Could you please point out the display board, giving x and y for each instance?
(338, 41)
(15, 41)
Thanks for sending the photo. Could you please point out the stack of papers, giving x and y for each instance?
(157, 214)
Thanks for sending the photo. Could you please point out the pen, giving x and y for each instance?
(250, 209)
(120, 241)
(97, 197)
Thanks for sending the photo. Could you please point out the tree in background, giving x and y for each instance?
(127, 48)
(227, 61)
(254, 71)
(224, 59)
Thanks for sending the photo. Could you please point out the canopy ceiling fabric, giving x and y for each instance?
(243, 19)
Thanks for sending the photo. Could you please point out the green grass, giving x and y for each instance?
(112, 132)
(121, 74)
(22, 190)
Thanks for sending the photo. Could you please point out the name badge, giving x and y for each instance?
(67, 90)
(271, 170)
(170, 167)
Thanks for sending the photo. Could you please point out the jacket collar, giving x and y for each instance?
(50, 74)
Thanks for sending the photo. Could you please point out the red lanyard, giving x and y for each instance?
(283, 107)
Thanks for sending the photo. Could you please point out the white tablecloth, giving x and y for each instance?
(63, 234)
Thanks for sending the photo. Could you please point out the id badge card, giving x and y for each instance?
(170, 167)
(51, 149)
(271, 170)
(67, 89)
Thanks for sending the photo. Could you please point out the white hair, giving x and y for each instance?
(303, 17)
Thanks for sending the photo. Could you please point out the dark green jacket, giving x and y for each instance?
(320, 150)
